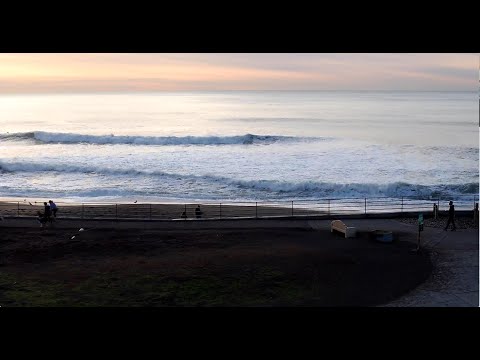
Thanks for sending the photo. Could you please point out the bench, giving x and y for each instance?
(338, 225)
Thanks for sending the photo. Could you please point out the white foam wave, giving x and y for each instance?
(71, 138)
(307, 189)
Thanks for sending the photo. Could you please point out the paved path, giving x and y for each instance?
(454, 281)
(455, 277)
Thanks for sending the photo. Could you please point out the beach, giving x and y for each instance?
(151, 211)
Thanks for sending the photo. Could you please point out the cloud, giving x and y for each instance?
(164, 72)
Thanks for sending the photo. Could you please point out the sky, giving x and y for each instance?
(145, 72)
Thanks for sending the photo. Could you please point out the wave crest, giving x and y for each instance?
(268, 188)
(71, 138)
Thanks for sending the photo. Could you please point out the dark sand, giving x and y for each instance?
(244, 267)
(153, 211)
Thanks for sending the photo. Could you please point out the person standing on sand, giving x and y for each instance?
(451, 216)
(53, 207)
(198, 212)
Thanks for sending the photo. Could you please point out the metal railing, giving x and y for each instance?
(211, 210)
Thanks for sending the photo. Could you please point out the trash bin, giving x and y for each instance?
(382, 236)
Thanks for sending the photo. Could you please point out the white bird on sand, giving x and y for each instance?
(73, 237)
(81, 229)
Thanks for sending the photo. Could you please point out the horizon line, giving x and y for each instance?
(229, 90)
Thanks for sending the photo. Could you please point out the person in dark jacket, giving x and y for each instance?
(198, 212)
(47, 211)
(451, 216)
(41, 219)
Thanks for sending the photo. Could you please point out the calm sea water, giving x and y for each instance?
(239, 145)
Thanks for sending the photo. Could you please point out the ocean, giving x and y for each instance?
(239, 146)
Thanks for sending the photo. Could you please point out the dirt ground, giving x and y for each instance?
(241, 267)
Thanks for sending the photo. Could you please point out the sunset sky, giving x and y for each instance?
(61, 73)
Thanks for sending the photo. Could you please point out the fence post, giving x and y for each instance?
(18, 208)
(365, 206)
(220, 210)
(328, 206)
(256, 210)
(83, 210)
(150, 211)
(292, 208)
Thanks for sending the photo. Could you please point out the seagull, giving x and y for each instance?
(73, 237)
(81, 229)
(135, 202)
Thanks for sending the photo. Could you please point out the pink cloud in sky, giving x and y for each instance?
(33, 73)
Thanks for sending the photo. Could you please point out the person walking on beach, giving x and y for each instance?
(46, 211)
(198, 212)
(53, 207)
(451, 216)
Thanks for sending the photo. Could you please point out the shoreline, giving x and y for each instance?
(172, 212)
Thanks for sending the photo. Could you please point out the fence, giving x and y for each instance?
(152, 211)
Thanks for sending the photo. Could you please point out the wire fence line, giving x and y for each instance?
(259, 209)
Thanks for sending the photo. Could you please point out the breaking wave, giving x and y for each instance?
(71, 138)
(270, 188)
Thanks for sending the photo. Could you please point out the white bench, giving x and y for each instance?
(338, 225)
